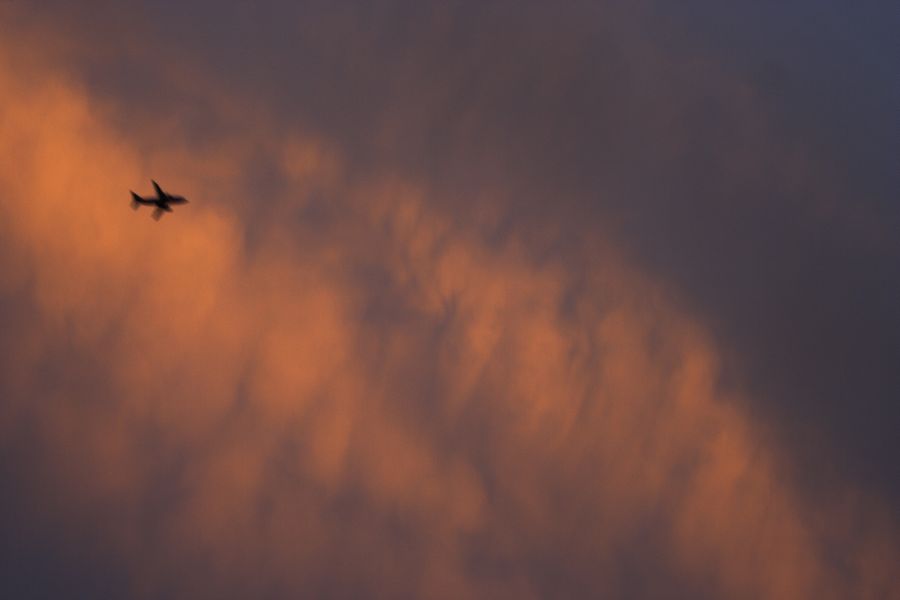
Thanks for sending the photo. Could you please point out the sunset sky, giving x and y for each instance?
(472, 299)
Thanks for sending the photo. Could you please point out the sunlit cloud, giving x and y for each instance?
(339, 386)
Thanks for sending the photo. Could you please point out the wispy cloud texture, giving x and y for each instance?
(337, 376)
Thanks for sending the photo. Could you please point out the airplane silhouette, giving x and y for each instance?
(162, 202)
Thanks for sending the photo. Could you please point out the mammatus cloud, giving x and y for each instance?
(369, 395)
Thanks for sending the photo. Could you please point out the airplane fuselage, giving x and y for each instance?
(162, 203)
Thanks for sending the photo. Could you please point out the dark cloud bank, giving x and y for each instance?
(481, 300)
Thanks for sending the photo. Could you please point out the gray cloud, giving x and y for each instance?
(469, 192)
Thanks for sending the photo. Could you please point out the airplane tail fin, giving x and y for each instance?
(135, 201)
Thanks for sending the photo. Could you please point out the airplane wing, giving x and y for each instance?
(157, 213)
(160, 194)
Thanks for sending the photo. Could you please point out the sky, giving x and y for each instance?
(471, 300)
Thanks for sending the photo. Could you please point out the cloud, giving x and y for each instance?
(339, 383)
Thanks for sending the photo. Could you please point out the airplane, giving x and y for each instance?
(162, 202)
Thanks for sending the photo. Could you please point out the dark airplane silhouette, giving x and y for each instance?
(162, 201)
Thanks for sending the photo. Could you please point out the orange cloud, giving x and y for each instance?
(378, 402)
